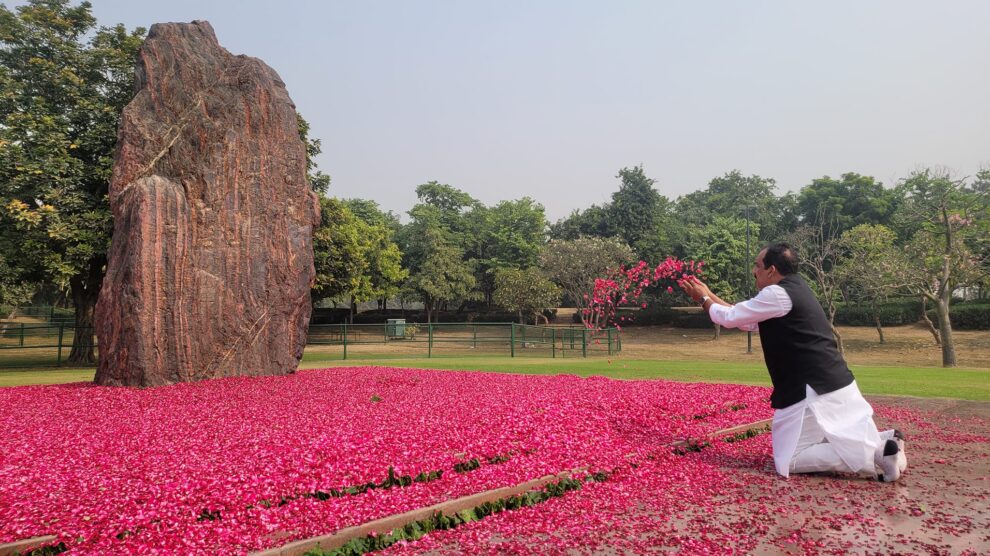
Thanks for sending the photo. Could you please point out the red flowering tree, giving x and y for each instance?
(624, 286)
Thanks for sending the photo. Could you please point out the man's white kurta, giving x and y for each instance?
(845, 418)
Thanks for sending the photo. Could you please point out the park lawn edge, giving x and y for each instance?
(926, 382)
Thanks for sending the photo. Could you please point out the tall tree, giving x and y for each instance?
(637, 210)
(849, 201)
(941, 208)
(318, 181)
(451, 204)
(592, 222)
(355, 260)
(443, 275)
(575, 264)
(63, 84)
(721, 244)
(737, 196)
(339, 252)
(508, 235)
(383, 254)
(369, 211)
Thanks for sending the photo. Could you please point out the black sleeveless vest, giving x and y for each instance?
(799, 348)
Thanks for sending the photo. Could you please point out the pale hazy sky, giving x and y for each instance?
(550, 98)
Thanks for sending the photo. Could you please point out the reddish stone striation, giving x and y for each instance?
(211, 264)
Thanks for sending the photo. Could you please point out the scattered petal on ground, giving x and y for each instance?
(223, 466)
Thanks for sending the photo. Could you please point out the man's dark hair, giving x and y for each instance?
(783, 257)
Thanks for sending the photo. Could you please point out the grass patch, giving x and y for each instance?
(927, 382)
(27, 377)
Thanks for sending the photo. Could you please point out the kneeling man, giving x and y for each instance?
(821, 421)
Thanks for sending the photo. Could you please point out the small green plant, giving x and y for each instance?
(691, 445)
(208, 515)
(49, 550)
(746, 434)
(469, 465)
(440, 521)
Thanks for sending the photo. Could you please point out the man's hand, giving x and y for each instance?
(695, 288)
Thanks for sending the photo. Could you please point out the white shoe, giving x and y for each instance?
(898, 437)
(889, 465)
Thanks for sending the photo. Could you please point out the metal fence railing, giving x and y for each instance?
(459, 339)
(25, 344)
(47, 313)
(35, 345)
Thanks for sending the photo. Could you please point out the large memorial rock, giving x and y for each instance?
(211, 263)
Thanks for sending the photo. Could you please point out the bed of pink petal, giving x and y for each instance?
(728, 500)
(127, 471)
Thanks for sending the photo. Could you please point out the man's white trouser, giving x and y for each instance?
(831, 432)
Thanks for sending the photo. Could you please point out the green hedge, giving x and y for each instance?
(340, 315)
(971, 315)
(892, 313)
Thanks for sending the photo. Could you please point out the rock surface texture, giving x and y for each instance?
(211, 263)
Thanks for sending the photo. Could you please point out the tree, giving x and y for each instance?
(593, 222)
(508, 235)
(318, 181)
(384, 255)
(729, 196)
(63, 84)
(575, 264)
(818, 248)
(451, 204)
(369, 211)
(13, 292)
(721, 244)
(979, 238)
(849, 201)
(940, 208)
(339, 252)
(638, 212)
(869, 266)
(528, 292)
(434, 245)
(443, 275)
(354, 259)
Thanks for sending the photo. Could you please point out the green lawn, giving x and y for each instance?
(928, 382)
(19, 377)
(970, 384)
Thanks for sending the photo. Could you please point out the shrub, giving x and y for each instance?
(892, 313)
(966, 316)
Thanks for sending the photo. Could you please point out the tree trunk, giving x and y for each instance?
(353, 309)
(85, 290)
(835, 331)
(945, 331)
(521, 321)
(928, 321)
(838, 338)
(876, 321)
(718, 332)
